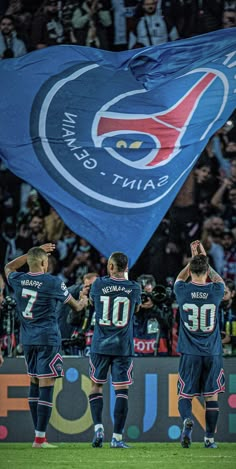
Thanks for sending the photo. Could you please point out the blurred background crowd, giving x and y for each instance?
(205, 208)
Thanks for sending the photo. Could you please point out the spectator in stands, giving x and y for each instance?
(18, 9)
(229, 15)
(66, 244)
(81, 264)
(205, 186)
(229, 246)
(7, 241)
(124, 21)
(10, 44)
(201, 16)
(32, 208)
(212, 234)
(155, 25)
(228, 319)
(185, 225)
(101, 265)
(31, 234)
(47, 28)
(229, 214)
(221, 196)
(54, 225)
(151, 28)
(67, 10)
(92, 23)
(154, 254)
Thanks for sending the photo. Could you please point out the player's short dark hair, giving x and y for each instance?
(199, 264)
(35, 255)
(120, 259)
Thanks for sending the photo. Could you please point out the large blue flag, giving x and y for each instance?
(109, 138)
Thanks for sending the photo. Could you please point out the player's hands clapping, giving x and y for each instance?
(197, 248)
(48, 247)
(194, 248)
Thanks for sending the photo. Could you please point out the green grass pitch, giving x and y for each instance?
(140, 456)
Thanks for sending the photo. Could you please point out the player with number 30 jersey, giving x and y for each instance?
(199, 332)
(199, 342)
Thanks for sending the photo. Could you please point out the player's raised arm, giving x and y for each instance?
(195, 250)
(17, 263)
(184, 274)
(213, 275)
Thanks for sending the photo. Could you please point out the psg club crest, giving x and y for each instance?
(105, 139)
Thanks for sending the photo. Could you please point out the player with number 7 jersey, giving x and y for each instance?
(36, 293)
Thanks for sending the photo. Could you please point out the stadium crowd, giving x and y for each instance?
(205, 208)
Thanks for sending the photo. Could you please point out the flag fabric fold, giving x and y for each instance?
(108, 138)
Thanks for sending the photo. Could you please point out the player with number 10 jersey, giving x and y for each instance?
(115, 300)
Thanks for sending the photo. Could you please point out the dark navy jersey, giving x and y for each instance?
(199, 329)
(36, 297)
(115, 302)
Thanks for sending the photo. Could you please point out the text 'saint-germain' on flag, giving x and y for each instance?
(108, 138)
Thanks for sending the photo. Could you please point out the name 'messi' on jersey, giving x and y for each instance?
(199, 294)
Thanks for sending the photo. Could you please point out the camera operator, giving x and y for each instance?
(77, 332)
(153, 322)
(9, 323)
(228, 319)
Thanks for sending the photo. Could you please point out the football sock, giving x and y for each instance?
(44, 407)
(96, 406)
(120, 410)
(211, 415)
(185, 408)
(117, 436)
(99, 426)
(33, 402)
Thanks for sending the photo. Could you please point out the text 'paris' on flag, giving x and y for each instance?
(108, 138)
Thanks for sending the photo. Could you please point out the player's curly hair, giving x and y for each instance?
(199, 265)
(120, 259)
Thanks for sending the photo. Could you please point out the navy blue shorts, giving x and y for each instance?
(200, 375)
(43, 361)
(120, 367)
